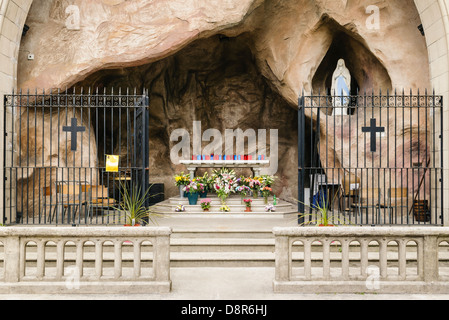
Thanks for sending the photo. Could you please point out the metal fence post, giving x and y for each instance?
(301, 150)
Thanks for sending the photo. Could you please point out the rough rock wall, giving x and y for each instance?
(214, 81)
(289, 38)
(294, 45)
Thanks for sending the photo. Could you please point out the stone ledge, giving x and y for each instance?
(351, 287)
(91, 287)
(359, 232)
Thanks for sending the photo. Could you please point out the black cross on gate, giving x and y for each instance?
(74, 129)
(373, 129)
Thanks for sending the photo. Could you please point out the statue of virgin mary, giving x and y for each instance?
(341, 87)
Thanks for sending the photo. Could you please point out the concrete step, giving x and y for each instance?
(235, 206)
(232, 200)
(161, 209)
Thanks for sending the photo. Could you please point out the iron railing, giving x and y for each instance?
(375, 161)
(55, 162)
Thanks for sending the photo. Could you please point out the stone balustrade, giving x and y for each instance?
(355, 259)
(88, 260)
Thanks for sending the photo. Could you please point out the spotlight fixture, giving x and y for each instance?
(421, 29)
(25, 30)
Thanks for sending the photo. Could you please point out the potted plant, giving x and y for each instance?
(248, 204)
(266, 192)
(181, 180)
(205, 204)
(193, 189)
(133, 207)
(323, 214)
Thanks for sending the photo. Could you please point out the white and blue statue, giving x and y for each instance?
(341, 88)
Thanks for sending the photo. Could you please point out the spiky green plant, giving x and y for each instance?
(132, 207)
(323, 215)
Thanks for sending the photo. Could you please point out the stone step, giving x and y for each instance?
(230, 201)
(216, 208)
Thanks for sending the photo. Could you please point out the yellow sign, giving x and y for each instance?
(112, 163)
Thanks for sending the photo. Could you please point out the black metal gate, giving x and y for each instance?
(370, 159)
(60, 163)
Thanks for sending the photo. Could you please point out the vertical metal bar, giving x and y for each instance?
(441, 162)
(146, 143)
(13, 164)
(5, 135)
(301, 154)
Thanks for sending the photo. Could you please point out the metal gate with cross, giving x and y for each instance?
(371, 160)
(70, 157)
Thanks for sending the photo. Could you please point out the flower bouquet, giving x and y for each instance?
(267, 181)
(225, 209)
(243, 190)
(270, 208)
(207, 183)
(180, 208)
(255, 184)
(248, 204)
(193, 189)
(181, 180)
(224, 183)
(266, 192)
(205, 204)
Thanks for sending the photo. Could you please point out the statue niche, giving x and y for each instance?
(341, 88)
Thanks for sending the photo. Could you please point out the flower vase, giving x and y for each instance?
(181, 192)
(203, 194)
(255, 193)
(193, 198)
(223, 200)
(265, 200)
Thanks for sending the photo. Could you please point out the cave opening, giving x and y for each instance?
(367, 72)
(214, 81)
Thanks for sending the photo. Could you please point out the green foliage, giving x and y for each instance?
(132, 207)
(323, 215)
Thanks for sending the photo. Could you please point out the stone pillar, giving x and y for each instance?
(282, 258)
(12, 259)
(13, 14)
(161, 262)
